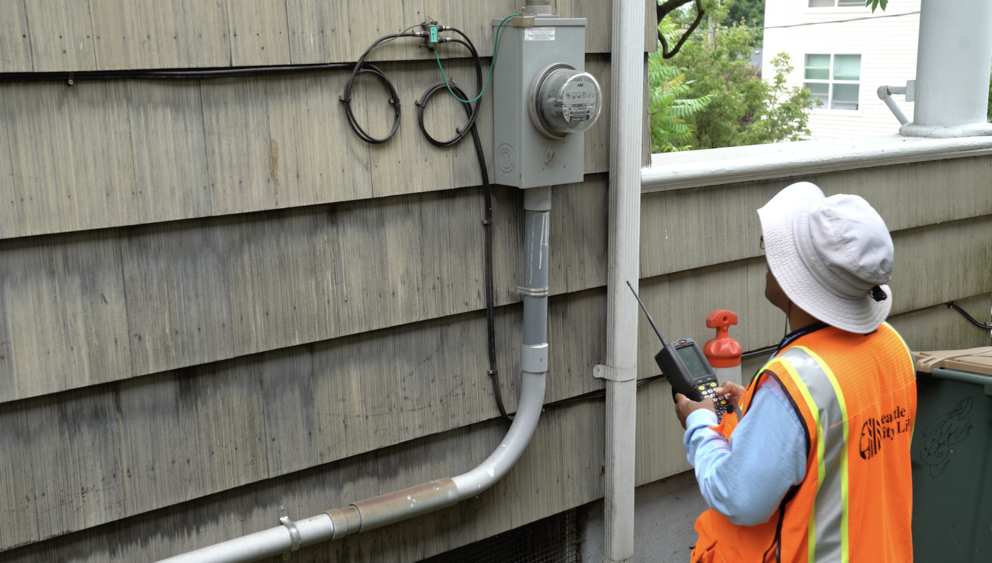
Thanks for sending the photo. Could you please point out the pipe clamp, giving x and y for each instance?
(610, 373)
(529, 291)
(294, 532)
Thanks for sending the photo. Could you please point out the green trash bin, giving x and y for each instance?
(952, 457)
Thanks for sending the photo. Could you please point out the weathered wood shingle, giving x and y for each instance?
(258, 417)
(73, 35)
(686, 229)
(204, 290)
(108, 154)
(64, 318)
(535, 486)
(182, 435)
(216, 299)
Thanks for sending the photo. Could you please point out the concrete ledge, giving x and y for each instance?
(693, 169)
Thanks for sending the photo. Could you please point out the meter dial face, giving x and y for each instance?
(564, 100)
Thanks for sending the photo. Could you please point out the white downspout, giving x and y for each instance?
(952, 70)
(626, 118)
(421, 499)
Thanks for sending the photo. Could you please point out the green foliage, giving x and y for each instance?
(875, 3)
(670, 107)
(752, 12)
(742, 109)
(670, 101)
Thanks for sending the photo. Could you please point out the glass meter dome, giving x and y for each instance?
(564, 100)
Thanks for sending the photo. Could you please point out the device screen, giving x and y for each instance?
(691, 360)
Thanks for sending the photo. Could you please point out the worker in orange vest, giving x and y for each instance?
(814, 465)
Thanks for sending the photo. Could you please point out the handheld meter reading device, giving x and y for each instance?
(686, 368)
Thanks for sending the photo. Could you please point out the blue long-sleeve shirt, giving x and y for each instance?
(745, 479)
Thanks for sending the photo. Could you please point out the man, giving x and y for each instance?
(816, 467)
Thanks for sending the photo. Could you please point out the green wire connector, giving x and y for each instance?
(491, 64)
(430, 29)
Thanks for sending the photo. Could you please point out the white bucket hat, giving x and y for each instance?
(831, 255)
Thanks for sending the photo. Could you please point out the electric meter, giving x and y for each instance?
(564, 100)
(544, 103)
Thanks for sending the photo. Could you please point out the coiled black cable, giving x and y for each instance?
(473, 112)
(394, 98)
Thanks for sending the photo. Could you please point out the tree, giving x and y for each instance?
(711, 96)
(670, 106)
(666, 7)
(750, 11)
(743, 109)
(670, 99)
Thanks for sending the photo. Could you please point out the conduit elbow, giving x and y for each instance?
(514, 443)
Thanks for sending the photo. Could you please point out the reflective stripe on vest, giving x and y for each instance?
(912, 362)
(828, 526)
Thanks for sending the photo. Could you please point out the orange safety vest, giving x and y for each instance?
(856, 395)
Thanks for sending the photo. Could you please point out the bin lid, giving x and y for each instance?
(975, 360)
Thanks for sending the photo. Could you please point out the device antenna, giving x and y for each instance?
(650, 320)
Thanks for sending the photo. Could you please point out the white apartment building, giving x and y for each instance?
(843, 64)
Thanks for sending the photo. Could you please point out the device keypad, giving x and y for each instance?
(707, 391)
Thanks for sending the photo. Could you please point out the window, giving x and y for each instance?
(835, 3)
(834, 80)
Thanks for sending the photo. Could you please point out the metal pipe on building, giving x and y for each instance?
(885, 94)
(626, 118)
(421, 499)
(534, 352)
(953, 64)
(540, 8)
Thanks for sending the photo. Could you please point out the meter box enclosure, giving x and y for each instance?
(543, 101)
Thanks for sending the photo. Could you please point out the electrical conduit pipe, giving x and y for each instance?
(414, 501)
(539, 8)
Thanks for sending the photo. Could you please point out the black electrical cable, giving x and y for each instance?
(473, 112)
(184, 74)
(973, 321)
(394, 98)
(470, 127)
(487, 224)
(190, 74)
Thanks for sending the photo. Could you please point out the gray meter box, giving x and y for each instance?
(524, 157)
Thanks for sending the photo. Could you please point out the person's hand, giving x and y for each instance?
(731, 391)
(684, 407)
